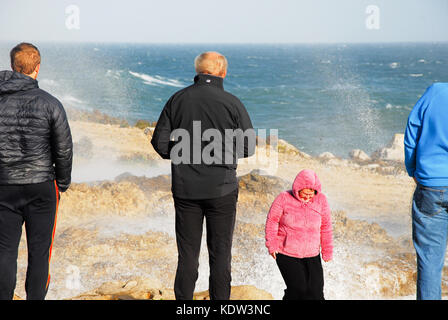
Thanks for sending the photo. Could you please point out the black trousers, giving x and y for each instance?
(304, 277)
(36, 206)
(219, 214)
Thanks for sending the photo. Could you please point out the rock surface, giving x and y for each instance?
(148, 289)
(359, 155)
(394, 151)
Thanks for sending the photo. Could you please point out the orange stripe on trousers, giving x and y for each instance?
(52, 235)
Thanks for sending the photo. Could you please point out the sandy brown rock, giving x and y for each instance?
(151, 289)
(109, 142)
(393, 151)
(243, 292)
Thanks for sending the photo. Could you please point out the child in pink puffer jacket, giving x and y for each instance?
(298, 229)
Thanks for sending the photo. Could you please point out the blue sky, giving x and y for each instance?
(230, 21)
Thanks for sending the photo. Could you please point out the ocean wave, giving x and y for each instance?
(394, 65)
(390, 106)
(70, 99)
(157, 80)
(343, 86)
(416, 74)
(48, 83)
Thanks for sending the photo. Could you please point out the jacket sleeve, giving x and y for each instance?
(61, 147)
(413, 130)
(161, 136)
(326, 232)
(248, 132)
(272, 224)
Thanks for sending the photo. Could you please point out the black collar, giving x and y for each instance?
(208, 79)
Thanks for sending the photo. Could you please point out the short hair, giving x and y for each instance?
(211, 63)
(24, 58)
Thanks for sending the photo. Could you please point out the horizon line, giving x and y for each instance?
(227, 43)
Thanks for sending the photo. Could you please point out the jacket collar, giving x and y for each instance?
(12, 81)
(208, 79)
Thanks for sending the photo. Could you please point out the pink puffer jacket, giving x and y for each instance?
(297, 228)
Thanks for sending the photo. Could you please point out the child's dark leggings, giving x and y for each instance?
(304, 277)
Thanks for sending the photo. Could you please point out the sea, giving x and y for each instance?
(320, 97)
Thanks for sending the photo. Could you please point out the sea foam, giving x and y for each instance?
(157, 80)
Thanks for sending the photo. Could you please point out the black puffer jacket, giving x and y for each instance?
(35, 138)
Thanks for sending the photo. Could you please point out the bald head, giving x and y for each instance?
(212, 63)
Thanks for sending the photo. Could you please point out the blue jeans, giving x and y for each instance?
(429, 234)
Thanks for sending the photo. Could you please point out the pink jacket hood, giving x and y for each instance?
(306, 179)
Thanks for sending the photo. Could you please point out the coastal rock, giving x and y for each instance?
(133, 289)
(95, 116)
(285, 147)
(359, 231)
(326, 156)
(254, 182)
(151, 289)
(359, 155)
(109, 142)
(120, 199)
(394, 276)
(394, 151)
(243, 292)
(149, 186)
(256, 193)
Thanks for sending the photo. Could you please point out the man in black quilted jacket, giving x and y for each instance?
(35, 166)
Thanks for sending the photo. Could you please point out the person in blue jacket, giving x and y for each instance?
(426, 160)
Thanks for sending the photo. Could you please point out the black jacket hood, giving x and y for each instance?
(12, 81)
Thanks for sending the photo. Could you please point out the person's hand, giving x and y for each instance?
(274, 255)
(327, 260)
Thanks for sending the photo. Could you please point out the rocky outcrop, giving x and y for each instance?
(326, 156)
(359, 231)
(149, 289)
(287, 148)
(243, 292)
(393, 151)
(359, 156)
(256, 193)
(107, 198)
(94, 116)
(391, 277)
(97, 142)
(132, 289)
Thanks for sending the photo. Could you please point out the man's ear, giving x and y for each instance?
(36, 71)
(223, 74)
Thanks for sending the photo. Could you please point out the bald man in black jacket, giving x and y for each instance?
(204, 129)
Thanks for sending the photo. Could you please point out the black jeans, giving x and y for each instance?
(304, 277)
(219, 214)
(36, 206)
